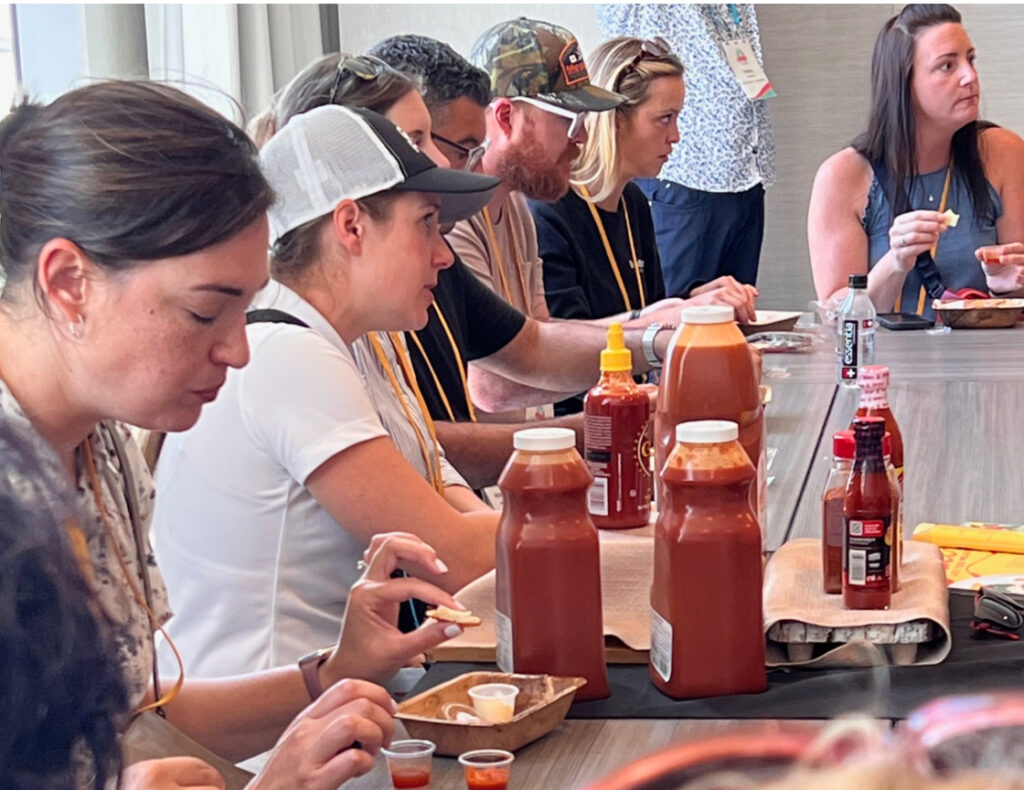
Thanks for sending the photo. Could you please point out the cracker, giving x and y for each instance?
(445, 614)
(951, 217)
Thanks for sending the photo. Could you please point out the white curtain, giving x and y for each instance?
(224, 54)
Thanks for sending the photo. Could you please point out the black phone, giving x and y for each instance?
(900, 321)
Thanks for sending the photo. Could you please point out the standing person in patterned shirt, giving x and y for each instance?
(708, 204)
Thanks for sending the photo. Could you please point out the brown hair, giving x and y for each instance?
(128, 171)
(315, 86)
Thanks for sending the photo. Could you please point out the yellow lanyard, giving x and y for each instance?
(611, 255)
(922, 294)
(431, 459)
(516, 260)
(458, 362)
(78, 542)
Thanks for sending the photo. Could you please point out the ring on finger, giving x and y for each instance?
(362, 565)
(903, 241)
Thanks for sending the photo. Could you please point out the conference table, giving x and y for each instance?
(958, 398)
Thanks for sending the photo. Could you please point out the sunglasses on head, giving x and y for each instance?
(650, 49)
(576, 119)
(472, 155)
(360, 67)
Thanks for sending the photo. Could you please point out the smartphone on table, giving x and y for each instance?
(900, 321)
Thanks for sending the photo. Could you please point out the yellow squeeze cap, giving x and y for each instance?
(616, 358)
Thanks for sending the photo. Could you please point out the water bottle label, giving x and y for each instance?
(848, 367)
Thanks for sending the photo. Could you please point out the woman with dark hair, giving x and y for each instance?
(330, 441)
(133, 235)
(880, 205)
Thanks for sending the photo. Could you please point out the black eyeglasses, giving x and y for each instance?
(472, 155)
(359, 66)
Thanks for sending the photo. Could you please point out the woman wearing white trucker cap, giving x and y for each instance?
(290, 473)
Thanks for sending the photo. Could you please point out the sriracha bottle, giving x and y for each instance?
(867, 521)
(617, 441)
(707, 635)
(548, 615)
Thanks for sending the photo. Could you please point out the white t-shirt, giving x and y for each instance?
(258, 572)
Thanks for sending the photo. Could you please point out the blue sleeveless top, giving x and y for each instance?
(955, 255)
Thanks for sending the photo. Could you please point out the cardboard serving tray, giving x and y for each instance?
(541, 705)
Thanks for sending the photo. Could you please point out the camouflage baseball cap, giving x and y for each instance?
(526, 57)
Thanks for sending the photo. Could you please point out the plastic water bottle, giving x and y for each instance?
(855, 332)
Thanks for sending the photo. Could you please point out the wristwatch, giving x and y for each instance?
(647, 345)
(310, 665)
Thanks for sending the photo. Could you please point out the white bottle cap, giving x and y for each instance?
(707, 314)
(541, 439)
(707, 432)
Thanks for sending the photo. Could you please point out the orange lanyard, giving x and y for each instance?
(458, 362)
(516, 260)
(431, 455)
(611, 256)
(922, 294)
(78, 543)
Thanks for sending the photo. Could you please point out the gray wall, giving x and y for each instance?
(818, 57)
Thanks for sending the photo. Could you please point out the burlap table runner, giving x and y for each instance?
(793, 592)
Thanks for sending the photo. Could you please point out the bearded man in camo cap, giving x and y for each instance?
(535, 124)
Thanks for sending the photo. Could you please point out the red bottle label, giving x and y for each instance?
(866, 559)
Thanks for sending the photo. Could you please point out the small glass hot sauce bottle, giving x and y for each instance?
(832, 525)
(867, 519)
(873, 381)
(617, 441)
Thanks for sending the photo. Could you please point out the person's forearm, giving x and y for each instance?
(491, 391)
(464, 500)
(480, 450)
(241, 716)
(885, 281)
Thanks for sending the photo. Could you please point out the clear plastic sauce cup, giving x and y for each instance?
(409, 762)
(494, 702)
(486, 769)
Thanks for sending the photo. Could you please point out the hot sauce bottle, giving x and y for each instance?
(897, 512)
(548, 614)
(873, 381)
(707, 635)
(867, 520)
(616, 431)
(832, 527)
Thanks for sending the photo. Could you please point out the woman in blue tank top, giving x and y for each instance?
(878, 206)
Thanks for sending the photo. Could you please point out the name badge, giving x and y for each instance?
(740, 57)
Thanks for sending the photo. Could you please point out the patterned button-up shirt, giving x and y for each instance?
(726, 140)
(131, 627)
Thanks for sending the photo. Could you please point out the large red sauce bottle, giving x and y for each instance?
(617, 441)
(707, 635)
(548, 586)
(710, 375)
(867, 518)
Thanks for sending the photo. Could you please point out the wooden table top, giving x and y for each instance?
(957, 398)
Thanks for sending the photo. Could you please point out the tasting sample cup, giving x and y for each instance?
(486, 769)
(409, 762)
(494, 702)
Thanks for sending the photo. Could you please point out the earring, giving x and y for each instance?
(77, 327)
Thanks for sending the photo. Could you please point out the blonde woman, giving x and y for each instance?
(598, 242)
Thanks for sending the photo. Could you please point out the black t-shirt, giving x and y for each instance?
(481, 323)
(578, 278)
